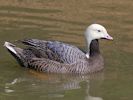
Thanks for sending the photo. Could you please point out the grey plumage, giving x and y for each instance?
(55, 50)
(59, 57)
(56, 57)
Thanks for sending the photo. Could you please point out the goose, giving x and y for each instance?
(59, 57)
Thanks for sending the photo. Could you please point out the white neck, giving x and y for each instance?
(88, 42)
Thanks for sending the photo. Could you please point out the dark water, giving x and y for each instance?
(66, 20)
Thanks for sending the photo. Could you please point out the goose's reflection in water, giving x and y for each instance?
(53, 85)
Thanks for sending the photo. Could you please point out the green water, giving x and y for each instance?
(66, 20)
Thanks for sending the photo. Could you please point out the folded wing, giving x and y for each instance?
(54, 50)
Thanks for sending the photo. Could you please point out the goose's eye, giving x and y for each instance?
(99, 30)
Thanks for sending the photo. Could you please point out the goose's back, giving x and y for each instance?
(55, 50)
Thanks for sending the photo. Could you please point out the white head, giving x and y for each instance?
(96, 31)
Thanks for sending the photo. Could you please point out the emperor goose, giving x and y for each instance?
(59, 57)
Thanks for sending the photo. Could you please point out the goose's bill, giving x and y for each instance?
(108, 37)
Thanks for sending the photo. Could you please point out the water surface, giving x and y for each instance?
(66, 20)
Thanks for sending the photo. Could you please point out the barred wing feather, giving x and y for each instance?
(56, 51)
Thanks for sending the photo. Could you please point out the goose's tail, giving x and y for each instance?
(16, 52)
